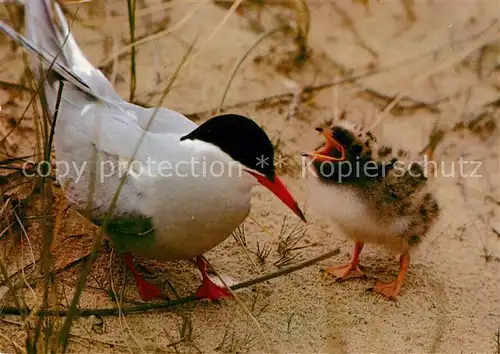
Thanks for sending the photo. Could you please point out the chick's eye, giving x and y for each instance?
(356, 149)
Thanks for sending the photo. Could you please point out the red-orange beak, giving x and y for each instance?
(279, 189)
(331, 151)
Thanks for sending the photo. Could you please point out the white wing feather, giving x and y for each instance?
(94, 123)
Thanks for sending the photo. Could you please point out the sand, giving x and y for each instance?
(442, 56)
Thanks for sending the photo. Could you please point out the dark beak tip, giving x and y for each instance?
(319, 129)
(301, 214)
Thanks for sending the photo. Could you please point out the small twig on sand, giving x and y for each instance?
(8, 310)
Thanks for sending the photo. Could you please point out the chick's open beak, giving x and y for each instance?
(331, 151)
(279, 189)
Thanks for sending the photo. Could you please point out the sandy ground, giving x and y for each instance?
(442, 56)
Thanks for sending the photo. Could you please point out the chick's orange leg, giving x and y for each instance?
(146, 290)
(390, 290)
(208, 289)
(351, 269)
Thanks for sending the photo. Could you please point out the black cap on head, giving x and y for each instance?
(241, 138)
(343, 136)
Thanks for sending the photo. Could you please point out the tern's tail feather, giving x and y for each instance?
(41, 31)
(47, 40)
(39, 53)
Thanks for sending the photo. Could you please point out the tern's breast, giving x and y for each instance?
(194, 212)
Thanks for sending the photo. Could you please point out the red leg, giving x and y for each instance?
(351, 269)
(146, 290)
(208, 289)
(390, 290)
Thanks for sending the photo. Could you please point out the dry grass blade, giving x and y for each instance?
(263, 252)
(8, 310)
(239, 235)
(147, 39)
(47, 225)
(46, 188)
(6, 279)
(118, 301)
(13, 218)
(36, 92)
(33, 261)
(242, 305)
(228, 14)
(233, 343)
(242, 59)
(148, 11)
(131, 22)
(9, 161)
(290, 236)
(214, 32)
(263, 228)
